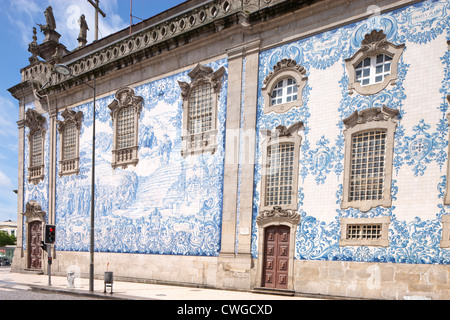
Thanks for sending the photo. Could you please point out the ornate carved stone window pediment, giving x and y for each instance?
(36, 140)
(283, 87)
(33, 212)
(69, 131)
(369, 149)
(372, 114)
(374, 46)
(200, 103)
(125, 113)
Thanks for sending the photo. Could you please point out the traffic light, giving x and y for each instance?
(50, 234)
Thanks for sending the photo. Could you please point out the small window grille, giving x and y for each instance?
(279, 183)
(125, 128)
(364, 231)
(69, 142)
(367, 166)
(36, 149)
(200, 109)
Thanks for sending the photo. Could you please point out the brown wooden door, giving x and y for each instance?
(276, 257)
(35, 250)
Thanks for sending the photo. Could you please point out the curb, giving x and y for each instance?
(83, 293)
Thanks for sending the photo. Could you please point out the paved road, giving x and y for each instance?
(14, 291)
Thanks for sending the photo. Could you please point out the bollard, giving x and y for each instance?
(70, 280)
(109, 281)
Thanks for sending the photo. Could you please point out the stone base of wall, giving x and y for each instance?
(392, 281)
(372, 280)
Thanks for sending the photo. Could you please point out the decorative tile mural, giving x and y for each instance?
(421, 138)
(167, 204)
(172, 205)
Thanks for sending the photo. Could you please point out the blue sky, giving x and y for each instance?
(17, 19)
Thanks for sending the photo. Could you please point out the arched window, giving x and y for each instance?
(373, 67)
(284, 86)
(285, 91)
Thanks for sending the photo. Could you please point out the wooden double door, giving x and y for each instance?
(276, 257)
(34, 245)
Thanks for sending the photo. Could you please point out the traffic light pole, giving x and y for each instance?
(49, 266)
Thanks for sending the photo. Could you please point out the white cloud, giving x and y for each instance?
(8, 126)
(67, 14)
(5, 182)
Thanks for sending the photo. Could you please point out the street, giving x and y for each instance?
(12, 291)
(9, 290)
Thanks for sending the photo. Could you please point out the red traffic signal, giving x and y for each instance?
(50, 234)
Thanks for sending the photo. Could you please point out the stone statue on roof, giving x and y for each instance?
(50, 20)
(82, 37)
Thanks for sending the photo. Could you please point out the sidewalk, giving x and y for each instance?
(131, 290)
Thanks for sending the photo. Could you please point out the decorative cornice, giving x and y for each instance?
(158, 34)
(371, 114)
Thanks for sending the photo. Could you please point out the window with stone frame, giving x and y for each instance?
(200, 103)
(69, 131)
(283, 87)
(36, 141)
(125, 113)
(280, 163)
(373, 67)
(365, 231)
(369, 144)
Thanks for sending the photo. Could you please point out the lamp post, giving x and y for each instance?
(65, 71)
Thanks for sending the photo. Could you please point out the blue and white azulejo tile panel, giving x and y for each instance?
(167, 204)
(421, 138)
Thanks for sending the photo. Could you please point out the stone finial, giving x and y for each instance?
(33, 47)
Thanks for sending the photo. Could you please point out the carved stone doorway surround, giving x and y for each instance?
(35, 221)
(277, 217)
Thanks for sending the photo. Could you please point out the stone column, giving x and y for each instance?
(249, 149)
(231, 170)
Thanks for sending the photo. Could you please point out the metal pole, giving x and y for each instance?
(131, 14)
(91, 266)
(49, 265)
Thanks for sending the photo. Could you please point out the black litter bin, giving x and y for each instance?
(109, 279)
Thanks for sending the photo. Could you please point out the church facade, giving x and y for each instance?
(267, 145)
